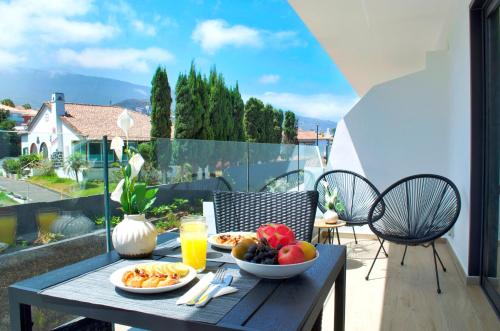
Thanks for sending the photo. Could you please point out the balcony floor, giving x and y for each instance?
(404, 297)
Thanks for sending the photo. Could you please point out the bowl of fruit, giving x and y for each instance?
(276, 254)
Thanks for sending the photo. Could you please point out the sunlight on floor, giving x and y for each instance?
(404, 297)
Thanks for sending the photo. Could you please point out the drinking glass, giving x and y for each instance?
(193, 233)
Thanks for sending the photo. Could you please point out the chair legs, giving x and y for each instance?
(439, 259)
(434, 253)
(404, 254)
(355, 239)
(375, 259)
(385, 252)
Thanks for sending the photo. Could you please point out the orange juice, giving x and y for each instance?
(193, 233)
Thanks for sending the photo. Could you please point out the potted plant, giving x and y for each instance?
(134, 237)
(333, 206)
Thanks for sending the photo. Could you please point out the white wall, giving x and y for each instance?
(45, 130)
(418, 123)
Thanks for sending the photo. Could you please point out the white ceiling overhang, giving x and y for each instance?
(373, 41)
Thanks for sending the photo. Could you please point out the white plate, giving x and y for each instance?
(275, 271)
(116, 279)
(212, 239)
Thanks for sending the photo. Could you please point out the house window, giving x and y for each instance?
(95, 151)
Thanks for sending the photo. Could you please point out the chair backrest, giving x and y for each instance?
(355, 192)
(287, 182)
(246, 211)
(418, 209)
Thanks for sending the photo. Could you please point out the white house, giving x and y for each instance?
(61, 128)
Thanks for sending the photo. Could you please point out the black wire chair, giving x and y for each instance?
(246, 211)
(287, 182)
(356, 193)
(418, 210)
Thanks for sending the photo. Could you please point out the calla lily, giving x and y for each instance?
(117, 193)
(125, 122)
(136, 163)
(117, 145)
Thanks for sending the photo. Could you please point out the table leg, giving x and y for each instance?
(330, 241)
(319, 321)
(319, 235)
(338, 237)
(20, 317)
(339, 310)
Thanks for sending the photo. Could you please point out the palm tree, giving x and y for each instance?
(75, 163)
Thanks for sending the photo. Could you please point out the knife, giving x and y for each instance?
(208, 296)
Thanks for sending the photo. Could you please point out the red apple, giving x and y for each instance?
(291, 254)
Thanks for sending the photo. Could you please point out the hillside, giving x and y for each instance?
(32, 86)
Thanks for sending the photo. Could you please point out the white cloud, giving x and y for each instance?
(269, 79)
(27, 22)
(326, 106)
(142, 27)
(137, 60)
(215, 34)
(8, 59)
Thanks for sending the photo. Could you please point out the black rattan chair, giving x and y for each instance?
(242, 211)
(418, 210)
(355, 192)
(287, 182)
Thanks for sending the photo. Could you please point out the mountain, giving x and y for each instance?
(142, 106)
(309, 124)
(33, 86)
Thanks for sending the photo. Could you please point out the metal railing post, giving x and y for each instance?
(298, 164)
(106, 192)
(248, 166)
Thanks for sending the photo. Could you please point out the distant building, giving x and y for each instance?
(60, 129)
(20, 115)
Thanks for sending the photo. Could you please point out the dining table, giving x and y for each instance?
(83, 289)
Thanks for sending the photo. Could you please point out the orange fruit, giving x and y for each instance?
(308, 249)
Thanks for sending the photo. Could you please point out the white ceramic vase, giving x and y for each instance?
(134, 237)
(331, 217)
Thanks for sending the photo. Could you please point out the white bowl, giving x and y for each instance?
(275, 271)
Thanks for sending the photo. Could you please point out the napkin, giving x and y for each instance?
(202, 285)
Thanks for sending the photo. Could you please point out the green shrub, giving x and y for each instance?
(12, 166)
(114, 221)
(30, 160)
(47, 168)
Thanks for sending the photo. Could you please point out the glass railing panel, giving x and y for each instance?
(51, 211)
(269, 161)
(312, 163)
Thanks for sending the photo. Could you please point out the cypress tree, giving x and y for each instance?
(238, 107)
(161, 101)
(290, 128)
(277, 125)
(253, 120)
(184, 108)
(268, 124)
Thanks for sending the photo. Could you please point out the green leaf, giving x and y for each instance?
(139, 194)
(151, 193)
(128, 171)
(149, 204)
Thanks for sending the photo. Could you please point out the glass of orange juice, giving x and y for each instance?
(193, 233)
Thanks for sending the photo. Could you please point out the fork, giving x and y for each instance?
(218, 279)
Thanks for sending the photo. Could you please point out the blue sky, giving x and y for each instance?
(261, 44)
